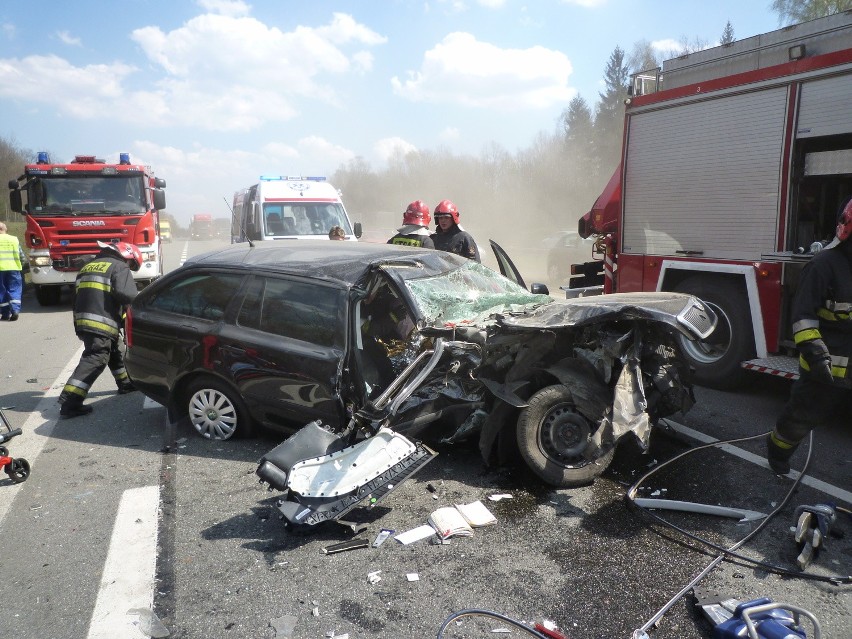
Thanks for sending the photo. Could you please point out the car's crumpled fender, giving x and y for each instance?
(683, 312)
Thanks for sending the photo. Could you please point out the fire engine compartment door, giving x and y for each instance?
(824, 108)
(702, 177)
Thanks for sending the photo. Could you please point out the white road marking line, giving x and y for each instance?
(828, 489)
(150, 403)
(129, 570)
(37, 429)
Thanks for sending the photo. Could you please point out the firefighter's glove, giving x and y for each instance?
(816, 355)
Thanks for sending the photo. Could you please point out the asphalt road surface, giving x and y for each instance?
(122, 532)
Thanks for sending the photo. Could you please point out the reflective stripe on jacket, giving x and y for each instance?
(822, 310)
(104, 286)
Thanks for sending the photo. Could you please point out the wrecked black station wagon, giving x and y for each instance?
(399, 344)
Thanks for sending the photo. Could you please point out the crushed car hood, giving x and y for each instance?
(679, 310)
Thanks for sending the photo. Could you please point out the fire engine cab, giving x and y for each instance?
(735, 164)
(70, 207)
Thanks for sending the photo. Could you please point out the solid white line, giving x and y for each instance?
(37, 429)
(828, 489)
(127, 583)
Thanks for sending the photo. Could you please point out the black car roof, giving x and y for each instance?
(343, 261)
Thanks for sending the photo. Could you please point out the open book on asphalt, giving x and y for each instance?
(461, 519)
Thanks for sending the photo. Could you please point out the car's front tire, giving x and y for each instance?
(552, 437)
(216, 411)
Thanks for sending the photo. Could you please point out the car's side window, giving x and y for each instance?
(295, 309)
(205, 296)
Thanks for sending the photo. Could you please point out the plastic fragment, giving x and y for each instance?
(284, 626)
(383, 535)
(412, 576)
(149, 623)
(373, 577)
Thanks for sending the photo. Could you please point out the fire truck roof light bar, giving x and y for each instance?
(43, 158)
(312, 178)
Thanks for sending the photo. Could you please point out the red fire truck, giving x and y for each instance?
(735, 163)
(201, 227)
(70, 207)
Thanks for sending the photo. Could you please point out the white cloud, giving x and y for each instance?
(363, 61)
(53, 79)
(221, 71)
(461, 69)
(450, 134)
(666, 45)
(67, 38)
(198, 178)
(319, 156)
(387, 148)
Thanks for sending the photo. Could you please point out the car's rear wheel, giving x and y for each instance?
(216, 411)
(553, 436)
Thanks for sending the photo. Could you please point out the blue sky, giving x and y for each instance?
(213, 93)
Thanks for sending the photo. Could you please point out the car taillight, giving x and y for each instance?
(128, 328)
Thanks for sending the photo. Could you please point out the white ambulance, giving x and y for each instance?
(289, 207)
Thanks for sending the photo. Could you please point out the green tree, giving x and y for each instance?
(609, 116)
(12, 160)
(796, 11)
(727, 34)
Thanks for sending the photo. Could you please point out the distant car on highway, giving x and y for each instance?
(424, 342)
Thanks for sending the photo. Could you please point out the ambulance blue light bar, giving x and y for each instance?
(299, 178)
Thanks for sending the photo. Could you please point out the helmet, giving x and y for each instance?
(844, 223)
(417, 213)
(126, 251)
(445, 207)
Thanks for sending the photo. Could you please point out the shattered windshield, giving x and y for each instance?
(470, 294)
(112, 194)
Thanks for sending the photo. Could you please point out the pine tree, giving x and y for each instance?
(609, 116)
(727, 34)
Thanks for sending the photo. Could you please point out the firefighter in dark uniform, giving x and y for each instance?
(450, 236)
(104, 286)
(415, 227)
(822, 331)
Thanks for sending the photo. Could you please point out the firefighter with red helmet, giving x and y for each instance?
(415, 227)
(104, 287)
(822, 331)
(450, 236)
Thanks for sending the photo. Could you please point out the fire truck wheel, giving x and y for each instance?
(717, 359)
(552, 437)
(18, 470)
(48, 295)
(216, 410)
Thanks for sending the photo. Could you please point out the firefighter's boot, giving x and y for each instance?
(126, 387)
(74, 407)
(778, 453)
